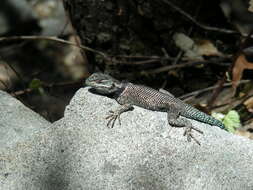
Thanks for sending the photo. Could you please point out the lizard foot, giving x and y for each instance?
(188, 134)
(112, 117)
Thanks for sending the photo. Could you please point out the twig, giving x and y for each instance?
(104, 55)
(170, 67)
(165, 68)
(21, 92)
(2, 39)
(181, 52)
(189, 17)
(109, 58)
(16, 73)
(165, 52)
(216, 92)
(149, 59)
(3, 83)
(139, 62)
(197, 92)
(144, 57)
(46, 85)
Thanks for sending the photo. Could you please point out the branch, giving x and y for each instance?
(197, 92)
(177, 66)
(205, 27)
(2, 39)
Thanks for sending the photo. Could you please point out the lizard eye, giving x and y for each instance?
(112, 86)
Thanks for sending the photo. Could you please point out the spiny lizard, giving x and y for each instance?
(128, 94)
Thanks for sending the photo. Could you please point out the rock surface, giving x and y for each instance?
(17, 122)
(80, 152)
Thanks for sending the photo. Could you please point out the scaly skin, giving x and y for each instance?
(128, 94)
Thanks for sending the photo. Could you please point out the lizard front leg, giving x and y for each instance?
(175, 121)
(113, 115)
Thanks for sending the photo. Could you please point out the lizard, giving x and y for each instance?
(128, 95)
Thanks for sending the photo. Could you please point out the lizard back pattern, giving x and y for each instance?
(152, 99)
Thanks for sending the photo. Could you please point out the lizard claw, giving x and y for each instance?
(112, 117)
(188, 134)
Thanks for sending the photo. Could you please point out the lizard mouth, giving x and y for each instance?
(93, 83)
(90, 83)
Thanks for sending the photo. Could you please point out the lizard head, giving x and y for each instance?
(103, 83)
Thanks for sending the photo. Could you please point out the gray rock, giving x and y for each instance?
(80, 152)
(17, 122)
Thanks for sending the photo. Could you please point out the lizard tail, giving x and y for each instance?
(193, 113)
(218, 123)
(212, 121)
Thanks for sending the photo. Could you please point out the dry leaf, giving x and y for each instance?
(188, 46)
(244, 134)
(249, 104)
(206, 47)
(240, 65)
(194, 50)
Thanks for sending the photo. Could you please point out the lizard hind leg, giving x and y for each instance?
(175, 121)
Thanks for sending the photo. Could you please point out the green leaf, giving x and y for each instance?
(35, 84)
(232, 121)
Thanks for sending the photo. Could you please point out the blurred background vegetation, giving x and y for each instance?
(200, 51)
